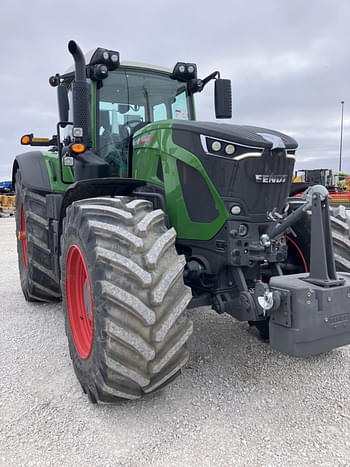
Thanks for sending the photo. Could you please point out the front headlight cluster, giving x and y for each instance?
(228, 149)
(218, 147)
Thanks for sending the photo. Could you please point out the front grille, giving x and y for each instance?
(238, 180)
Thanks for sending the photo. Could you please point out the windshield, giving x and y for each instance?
(128, 98)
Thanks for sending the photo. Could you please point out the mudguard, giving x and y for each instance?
(34, 172)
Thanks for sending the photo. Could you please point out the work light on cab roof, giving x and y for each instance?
(101, 62)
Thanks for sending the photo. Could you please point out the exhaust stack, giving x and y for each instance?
(81, 94)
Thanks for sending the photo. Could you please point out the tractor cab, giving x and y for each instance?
(103, 102)
(127, 100)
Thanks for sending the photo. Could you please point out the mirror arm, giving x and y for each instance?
(214, 75)
(197, 85)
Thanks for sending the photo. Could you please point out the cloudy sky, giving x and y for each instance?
(289, 61)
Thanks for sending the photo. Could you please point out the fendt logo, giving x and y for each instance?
(271, 178)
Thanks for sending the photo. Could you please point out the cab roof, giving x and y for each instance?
(123, 64)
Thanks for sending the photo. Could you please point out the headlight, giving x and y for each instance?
(228, 149)
(216, 146)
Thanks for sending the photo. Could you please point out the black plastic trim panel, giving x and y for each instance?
(34, 172)
(199, 202)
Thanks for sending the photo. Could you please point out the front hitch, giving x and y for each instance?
(309, 312)
(314, 313)
(307, 197)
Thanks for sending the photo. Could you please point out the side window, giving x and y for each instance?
(159, 112)
(179, 107)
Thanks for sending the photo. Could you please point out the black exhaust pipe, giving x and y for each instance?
(81, 94)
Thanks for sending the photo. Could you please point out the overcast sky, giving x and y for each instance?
(289, 61)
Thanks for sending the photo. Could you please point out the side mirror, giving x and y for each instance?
(63, 103)
(223, 98)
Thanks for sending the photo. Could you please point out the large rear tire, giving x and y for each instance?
(124, 298)
(38, 280)
(340, 219)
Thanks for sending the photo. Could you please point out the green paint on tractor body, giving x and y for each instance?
(153, 143)
(57, 185)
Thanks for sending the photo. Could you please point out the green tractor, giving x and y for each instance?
(137, 212)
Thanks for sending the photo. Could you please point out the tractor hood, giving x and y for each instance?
(240, 135)
(248, 166)
(251, 164)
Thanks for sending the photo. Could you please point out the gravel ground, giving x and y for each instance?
(238, 402)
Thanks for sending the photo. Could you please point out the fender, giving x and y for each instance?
(93, 187)
(33, 171)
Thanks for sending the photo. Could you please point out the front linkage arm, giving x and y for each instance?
(264, 300)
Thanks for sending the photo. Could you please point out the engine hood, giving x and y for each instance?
(256, 175)
(244, 135)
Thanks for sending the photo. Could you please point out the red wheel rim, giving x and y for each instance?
(300, 253)
(23, 237)
(79, 302)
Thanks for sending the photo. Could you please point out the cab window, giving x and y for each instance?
(126, 100)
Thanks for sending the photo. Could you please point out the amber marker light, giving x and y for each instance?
(77, 147)
(40, 140)
(25, 139)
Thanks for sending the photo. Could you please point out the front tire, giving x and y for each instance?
(124, 298)
(35, 262)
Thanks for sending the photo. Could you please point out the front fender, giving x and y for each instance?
(34, 173)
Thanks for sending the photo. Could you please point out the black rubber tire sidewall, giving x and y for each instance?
(23, 270)
(85, 368)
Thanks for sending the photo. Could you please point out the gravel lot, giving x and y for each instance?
(238, 402)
